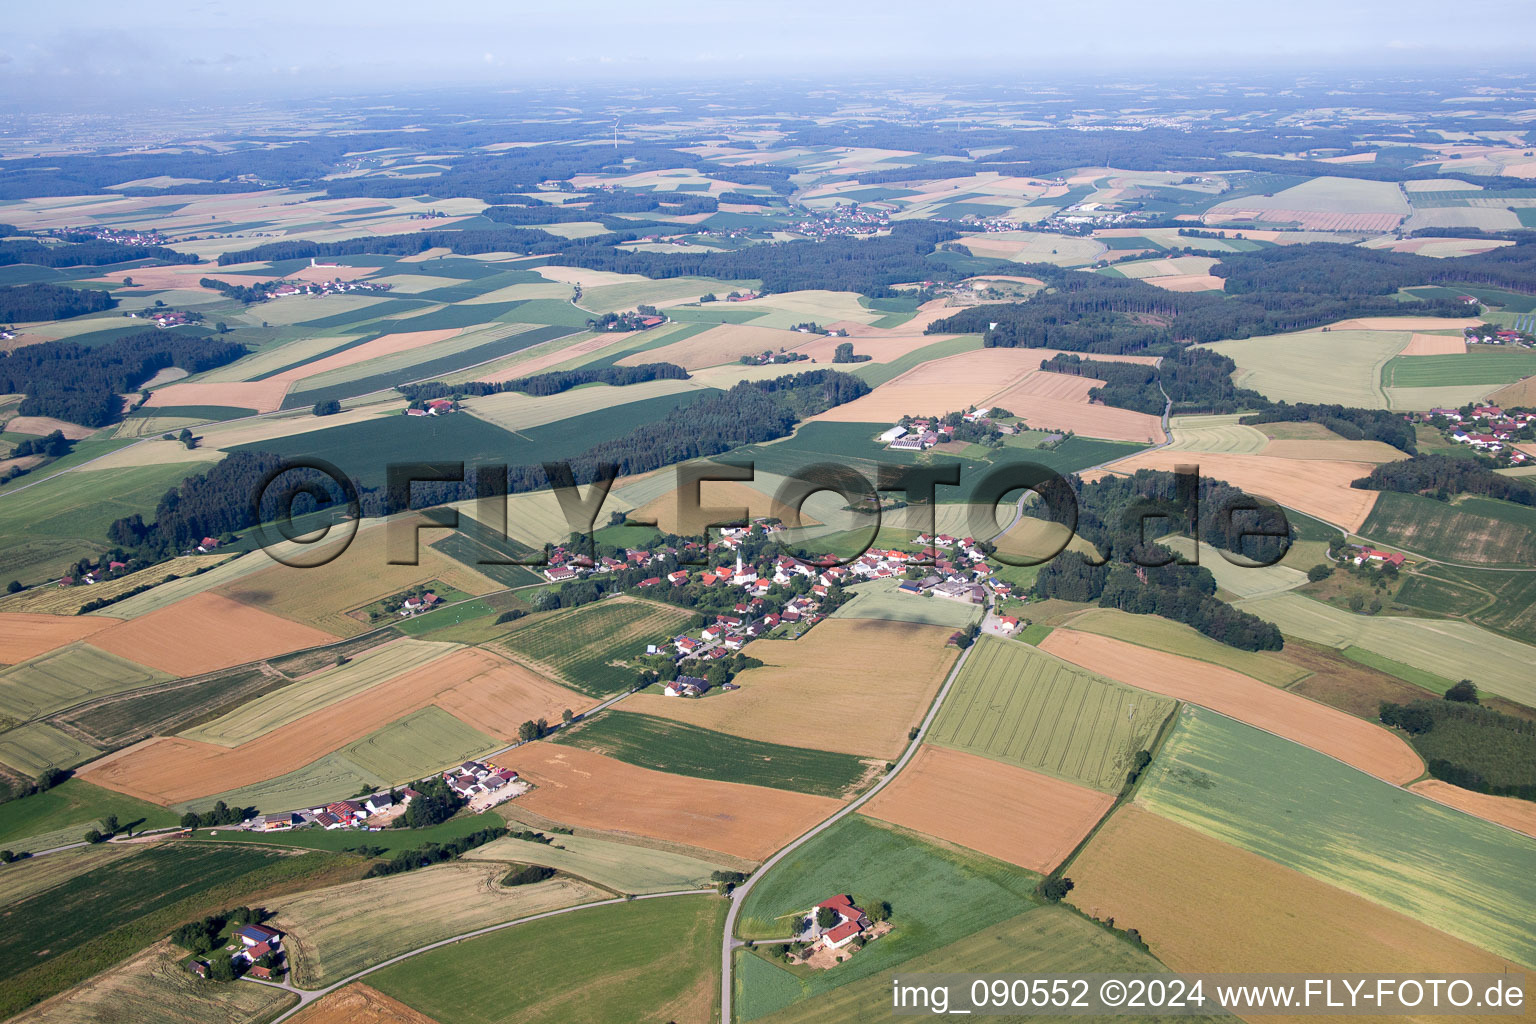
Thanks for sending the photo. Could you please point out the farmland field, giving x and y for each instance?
(1336, 366)
(585, 648)
(998, 809)
(808, 690)
(938, 895)
(646, 962)
(1215, 434)
(1308, 812)
(358, 1003)
(1365, 745)
(579, 788)
(35, 747)
(1203, 905)
(680, 749)
(1019, 706)
(1239, 580)
(1447, 648)
(155, 987)
(203, 633)
(69, 600)
(622, 867)
(1501, 601)
(62, 814)
(133, 716)
(1479, 366)
(334, 932)
(33, 875)
(77, 673)
(1046, 940)
(290, 703)
(417, 744)
(27, 635)
(881, 600)
(1162, 634)
(1482, 531)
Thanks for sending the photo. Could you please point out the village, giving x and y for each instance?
(1486, 428)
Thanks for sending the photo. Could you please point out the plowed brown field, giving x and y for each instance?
(580, 788)
(261, 395)
(1202, 905)
(25, 635)
(1004, 811)
(1367, 747)
(206, 632)
(852, 685)
(359, 1004)
(488, 692)
(1059, 401)
(1435, 345)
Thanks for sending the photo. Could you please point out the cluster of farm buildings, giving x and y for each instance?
(433, 407)
(336, 287)
(251, 943)
(483, 783)
(1484, 336)
(1487, 428)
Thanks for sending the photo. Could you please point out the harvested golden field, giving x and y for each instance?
(712, 494)
(69, 600)
(851, 685)
(44, 425)
(25, 635)
(1004, 811)
(261, 395)
(153, 988)
(1319, 488)
(950, 384)
(1188, 283)
(486, 691)
(1435, 345)
(881, 345)
(359, 1004)
(572, 348)
(1059, 401)
(1202, 905)
(514, 411)
(1522, 393)
(321, 597)
(724, 344)
(203, 633)
(1334, 450)
(1405, 323)
(334, 932)
(322, 272)
(388, 345)
(1364, 745)
(1508, 811)
(579, 788)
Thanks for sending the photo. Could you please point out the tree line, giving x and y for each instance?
(81, 384)
(79, 250)
(1441, 476)
(1195, 379)
(23, 303)
(548, 383)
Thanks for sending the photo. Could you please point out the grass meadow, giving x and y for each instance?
(62, 814)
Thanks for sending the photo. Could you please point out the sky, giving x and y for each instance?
(105, 51)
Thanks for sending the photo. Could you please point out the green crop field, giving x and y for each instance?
(422, 742)
(35, 747)
(1341, 367)
(681, 749)
(1448, 648)
(617, 866)
(47, 527)
(332, 777)
(1238, 580)
(479, 547)
(1015, 704)
(1407, 673)
(1483, 531)
(290, 703)
(1479, 365)
(86, 923)
(1309, 812)
(68, 676)
(881, 600)
(1045, 941)
(595, 965)
(1501, 601)
(1162, 634)
(938, 895)
(136, 715)
(62, 815)
(584, 648)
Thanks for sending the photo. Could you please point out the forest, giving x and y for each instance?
(1470, 746)
(78, 250)
(1442, 476)
(25, 303)
(1352, 424)
(1121, 516)
(79, 384)
(547, 383)
(1194, 379)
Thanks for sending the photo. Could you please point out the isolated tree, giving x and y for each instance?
(13, 587)
(186, 438)
(843, 353)
(94, 836)
(529, 730)
(826, 917)
(1318, 573)
(1055, 888)
(222, 968)
(1464, 692)
(110, 826)
(1356, 602)
(566, 716)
